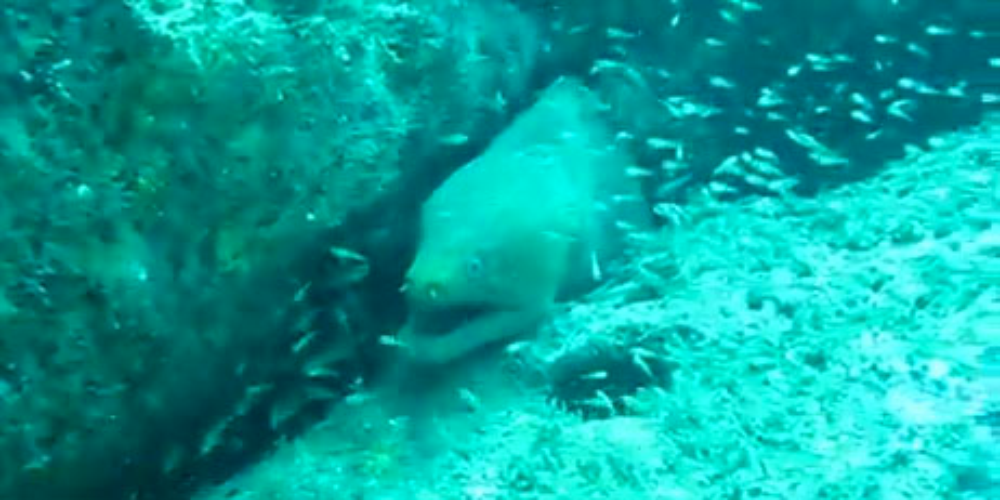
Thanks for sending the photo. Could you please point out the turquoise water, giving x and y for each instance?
(499, 249)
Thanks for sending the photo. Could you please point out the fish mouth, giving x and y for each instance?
(442, 320)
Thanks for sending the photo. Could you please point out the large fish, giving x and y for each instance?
(527, 222)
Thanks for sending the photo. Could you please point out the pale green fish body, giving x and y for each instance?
(516, 228)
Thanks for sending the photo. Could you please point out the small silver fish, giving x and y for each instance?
(598, 375)
(638, 172)
(916, 86)
(670, 212)
(915, 49)
(769, 99)
(957, 90)
(672, 187)
(660, 144)
(766, 168)
(721, 82)
(860, 116)
(936, 30)
(595, 268)
(900, 108)
(861, 100)
(635, 171)
(731, 165)
(457, 139)
(885, 39)
(717, 188)
(803, 139)
(639, 356)
(620, 34)
(765, 154)
(304, 341)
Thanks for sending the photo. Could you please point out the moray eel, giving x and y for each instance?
(517, 228)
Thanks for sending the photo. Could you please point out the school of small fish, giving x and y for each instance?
(859, 98)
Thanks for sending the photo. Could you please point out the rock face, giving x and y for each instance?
(174, 175)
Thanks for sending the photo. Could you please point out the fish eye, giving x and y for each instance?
(474, 267)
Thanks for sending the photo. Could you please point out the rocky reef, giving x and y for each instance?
(207, 210)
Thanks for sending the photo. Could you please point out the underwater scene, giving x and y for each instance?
(499, 249)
